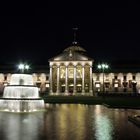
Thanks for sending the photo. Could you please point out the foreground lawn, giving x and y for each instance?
(109, 101)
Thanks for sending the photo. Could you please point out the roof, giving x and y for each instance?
(75, 47)
(72, 53)
(70, 56)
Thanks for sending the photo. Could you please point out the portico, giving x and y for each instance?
(71, 72)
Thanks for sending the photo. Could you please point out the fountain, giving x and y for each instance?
(21, 95)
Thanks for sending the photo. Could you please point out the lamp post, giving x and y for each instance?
(102, 67)
(22, 67)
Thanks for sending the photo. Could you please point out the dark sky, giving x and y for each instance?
(109, 32)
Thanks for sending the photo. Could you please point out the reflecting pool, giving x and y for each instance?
(69, 122)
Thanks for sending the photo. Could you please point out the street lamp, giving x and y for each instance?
(103, 67)
(22, 67)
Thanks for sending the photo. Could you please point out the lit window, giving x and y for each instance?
(97, 85)
(115, 85)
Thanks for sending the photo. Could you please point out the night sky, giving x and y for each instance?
(110, 32)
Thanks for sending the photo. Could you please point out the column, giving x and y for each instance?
(74, 76)
(51, 86)
(91, 91)
(58, 79)
(83, 79)
(66, 80)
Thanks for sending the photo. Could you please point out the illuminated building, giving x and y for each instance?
(71, 72)
(80, 79)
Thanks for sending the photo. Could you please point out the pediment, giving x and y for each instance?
(73, 56)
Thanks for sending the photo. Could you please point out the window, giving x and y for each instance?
(134, 77)
(116, 77)
(124, 77)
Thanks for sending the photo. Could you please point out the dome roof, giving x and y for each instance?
(75, 47)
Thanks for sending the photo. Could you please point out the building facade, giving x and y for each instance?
(72, 73)
(113, 82)
(41, 80)
(117, 82)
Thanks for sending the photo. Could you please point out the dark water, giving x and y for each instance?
(70, 122)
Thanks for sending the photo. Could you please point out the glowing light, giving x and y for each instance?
(63, 85)
(133, 81)
(99, 67)
(6, 109)
(26, 67)
(79, 85)
(47, 85)
(97, 85)
(103, 66)
(5, 84)
(71, 85)
(115, 85)
(106, 66)
(23, 67)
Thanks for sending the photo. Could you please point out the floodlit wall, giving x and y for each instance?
(113, 82)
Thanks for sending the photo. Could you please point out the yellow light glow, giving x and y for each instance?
(115, 85)
(97, 85)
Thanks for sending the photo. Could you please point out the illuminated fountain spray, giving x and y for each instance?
(21, 95)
